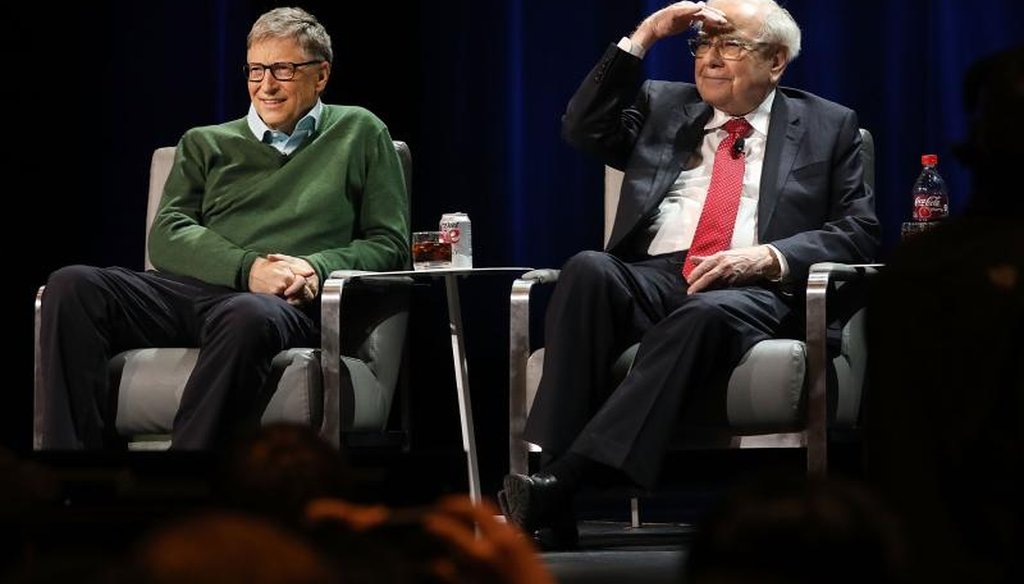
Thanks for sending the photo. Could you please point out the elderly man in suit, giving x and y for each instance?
(734, 186)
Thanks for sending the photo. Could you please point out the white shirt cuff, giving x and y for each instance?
(783, 266)
(635, 49)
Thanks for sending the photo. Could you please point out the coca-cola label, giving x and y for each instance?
(930, 207)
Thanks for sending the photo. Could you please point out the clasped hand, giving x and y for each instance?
(733, 267)
(286, 276)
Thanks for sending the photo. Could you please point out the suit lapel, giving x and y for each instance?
(689, 120)
(784, 135)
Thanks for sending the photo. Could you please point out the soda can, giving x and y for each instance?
(458, 233)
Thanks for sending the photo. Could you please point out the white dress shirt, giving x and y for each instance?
(680, 210)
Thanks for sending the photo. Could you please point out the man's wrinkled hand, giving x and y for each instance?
(734, 267)
(483, 549)
(355, 516)
(291, 278)
(305, 286)
(675, 19)
(268, 277)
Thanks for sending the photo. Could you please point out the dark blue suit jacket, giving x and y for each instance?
(813, 203)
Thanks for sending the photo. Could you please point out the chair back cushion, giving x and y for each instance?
(159, 170)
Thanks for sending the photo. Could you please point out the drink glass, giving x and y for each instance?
(430, 250)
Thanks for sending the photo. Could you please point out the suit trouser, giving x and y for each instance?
(90, 314)
(601, 306)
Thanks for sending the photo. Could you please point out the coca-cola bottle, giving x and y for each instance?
(931, 199)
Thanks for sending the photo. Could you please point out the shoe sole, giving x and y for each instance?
(515, 500)
(503, 504)
(557, 538)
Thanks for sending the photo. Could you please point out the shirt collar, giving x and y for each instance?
(308, 123)
(758, 118)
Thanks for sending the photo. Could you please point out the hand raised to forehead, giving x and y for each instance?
(677, 18)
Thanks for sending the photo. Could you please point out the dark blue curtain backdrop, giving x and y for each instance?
(477, 88)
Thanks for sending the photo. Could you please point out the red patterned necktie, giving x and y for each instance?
(714, 230)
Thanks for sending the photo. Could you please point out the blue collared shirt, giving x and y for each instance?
(284, 143)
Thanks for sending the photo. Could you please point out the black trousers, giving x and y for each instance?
(601, 306)
(90, 314)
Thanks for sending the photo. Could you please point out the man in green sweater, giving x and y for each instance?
(255, 214)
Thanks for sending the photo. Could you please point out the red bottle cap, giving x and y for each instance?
(929, 159)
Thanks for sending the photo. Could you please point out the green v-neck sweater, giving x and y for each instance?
(339, 201)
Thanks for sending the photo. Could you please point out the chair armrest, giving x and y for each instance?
(518, 355)
(37, 378)
(519, 308)
(821, 278)
(338, 405)
(542, 276)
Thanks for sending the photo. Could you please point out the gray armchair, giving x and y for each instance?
(785, 393)
(345, 385)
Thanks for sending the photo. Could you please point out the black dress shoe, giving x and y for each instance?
(534, 501)
(562, 533)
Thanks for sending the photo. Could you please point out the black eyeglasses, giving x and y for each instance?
(729, 48)
(282, 71)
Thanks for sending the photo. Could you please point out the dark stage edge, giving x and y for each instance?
(612, 551)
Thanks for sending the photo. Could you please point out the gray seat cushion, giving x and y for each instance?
(765, 391)
(150, 382)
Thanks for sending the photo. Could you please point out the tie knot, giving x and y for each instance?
(738, 127)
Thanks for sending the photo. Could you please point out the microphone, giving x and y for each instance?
(737, 147)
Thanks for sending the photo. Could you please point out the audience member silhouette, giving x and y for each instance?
(944, 419)
(218, 547)
(279, 468)
(288, 474)
(452, 540)
(29, 494)
(993, 93)
(797, 530)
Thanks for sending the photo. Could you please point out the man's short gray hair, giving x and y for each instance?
(779, 28)
(293, 23)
